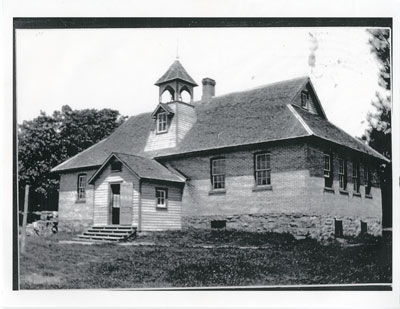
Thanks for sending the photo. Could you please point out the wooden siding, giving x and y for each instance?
(101, 194)
(157, 219)
(181, 122)
(186, 118)
(157, 141)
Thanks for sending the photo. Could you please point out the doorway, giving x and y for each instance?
(115, 203)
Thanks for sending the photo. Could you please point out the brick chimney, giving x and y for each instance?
(208, 88)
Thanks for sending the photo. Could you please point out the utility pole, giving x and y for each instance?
(24, 219)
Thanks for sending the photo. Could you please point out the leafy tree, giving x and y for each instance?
(46, 141)
(379, 132)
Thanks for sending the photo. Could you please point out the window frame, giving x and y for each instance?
(328, 172)
(266, 169)
(342, 174)
(356, 177)
(367, 180)
(163, 123)
(304, 99)
(165, 198)
(213, 174)
(80, 188)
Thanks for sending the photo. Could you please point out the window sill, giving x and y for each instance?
(217, 192)
(344, 192)
(161, 207)
(262, 188)
(356, 194)
(162, 132)
(80, 201)
(330, 190)
(368, 196)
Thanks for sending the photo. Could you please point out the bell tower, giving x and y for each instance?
(177, 83)
(175, 114)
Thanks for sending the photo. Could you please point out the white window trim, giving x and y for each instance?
(81, 187)
(267, 169)
(164, 198)
(327, 172)
(213, 160)
(162, 122)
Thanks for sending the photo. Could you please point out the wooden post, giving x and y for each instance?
(24, 219)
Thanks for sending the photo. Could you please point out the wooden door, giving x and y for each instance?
(126, 204)
(115, 201)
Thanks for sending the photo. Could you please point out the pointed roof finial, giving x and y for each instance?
(177, 49)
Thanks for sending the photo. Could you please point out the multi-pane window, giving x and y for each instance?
(367, 180)
(328, 170)
(304, 99)
(356, 177)
(342, 174)
(81, 187)
(161, 198)
(263, 169)
(161, 122)
(218, 173)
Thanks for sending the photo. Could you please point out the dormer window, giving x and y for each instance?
(304, 100)
(161, 122)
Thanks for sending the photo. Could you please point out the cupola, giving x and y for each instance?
(176, 84)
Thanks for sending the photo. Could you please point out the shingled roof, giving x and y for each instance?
(142, 167)
(258, 115)
(176, 70)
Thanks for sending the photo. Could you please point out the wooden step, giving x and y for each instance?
(114, 227)
(100, 237)
(109, 232)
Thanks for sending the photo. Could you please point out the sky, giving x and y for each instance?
(117, 68)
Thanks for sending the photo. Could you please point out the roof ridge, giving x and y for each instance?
(258, 87)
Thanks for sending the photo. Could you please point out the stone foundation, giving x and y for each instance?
(321, 227)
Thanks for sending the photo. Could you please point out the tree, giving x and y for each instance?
(46, 141)
(379, 133)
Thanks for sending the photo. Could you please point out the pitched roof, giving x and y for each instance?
(328, 131)
(142, 167)
(163, 106)
(176, 71)
(258, 115)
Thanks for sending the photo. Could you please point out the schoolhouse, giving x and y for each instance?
(265, 159)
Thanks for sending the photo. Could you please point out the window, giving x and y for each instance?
(263, 169)
(81, 187)
(342, 174)
(116, 166)
(338, 228)
(218, 173)
(304, 99)
(356, 177)
(364, 228)
(367, 180)
(328, 170)
(161, 198)
(161, 122)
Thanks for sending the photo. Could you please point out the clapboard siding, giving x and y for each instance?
(101, 195)
(156, 140)
(154, 219)
(186, 118)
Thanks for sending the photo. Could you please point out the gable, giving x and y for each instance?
(162, 107)
(313, 104)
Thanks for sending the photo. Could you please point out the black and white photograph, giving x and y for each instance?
(203, 154)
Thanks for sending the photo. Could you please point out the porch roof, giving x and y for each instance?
(143, 168)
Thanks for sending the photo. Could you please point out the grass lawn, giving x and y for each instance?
(203, 258)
